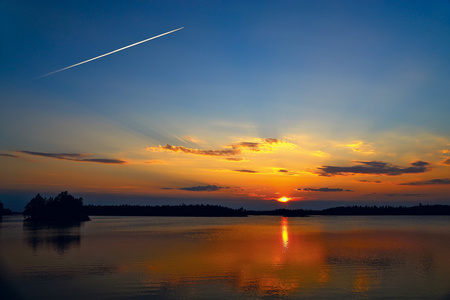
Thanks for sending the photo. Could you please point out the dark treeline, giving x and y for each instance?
(65, 207)
(358, 210)
(165, 210)
(221, 211)
(386, 210)
(3, 210)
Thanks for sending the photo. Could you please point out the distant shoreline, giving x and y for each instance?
(201, 210)
(221, 211)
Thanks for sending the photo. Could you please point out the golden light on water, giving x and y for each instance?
(284, 232)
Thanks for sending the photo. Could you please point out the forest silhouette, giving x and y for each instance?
(3, 210)
(66, 208)
(221, 211)
(199, 210)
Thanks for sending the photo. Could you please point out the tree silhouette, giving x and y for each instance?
(35, 207)
(63, 207)
(3, 210)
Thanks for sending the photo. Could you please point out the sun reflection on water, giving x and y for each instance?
(248, 258)
(284, 232)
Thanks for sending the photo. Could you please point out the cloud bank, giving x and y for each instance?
(438, 181)
(205, 188)
(231, 150)
(224, 152)
(77, 157)
(246, 171)
(369, 181)
(325, 189)
(200, 188)
(9, 155)
(374, 167)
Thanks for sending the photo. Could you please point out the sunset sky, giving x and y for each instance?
(322, 102)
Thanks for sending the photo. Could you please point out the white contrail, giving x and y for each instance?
(103, 55)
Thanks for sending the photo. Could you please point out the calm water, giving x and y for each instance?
(228, 258)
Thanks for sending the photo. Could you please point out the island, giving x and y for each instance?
(63, 208)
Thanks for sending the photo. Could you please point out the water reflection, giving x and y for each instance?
(284, 232)
(60, 237)
(246, 258)
(251, 261)
(249, 258)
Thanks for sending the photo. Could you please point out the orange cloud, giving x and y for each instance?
(234, 159)
(361, 148)
(257, 145)
(167, 147)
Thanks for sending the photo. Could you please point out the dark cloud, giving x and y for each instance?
(374, 167)
(287, 172)
(419, 163)
(204, 188)
(246, 171)
(446, 162)
(67, 156)
(9, 155)
(438, 181)
(369, 181)
(104, 160)
(166, 188)
(323, 190)
(77, 157)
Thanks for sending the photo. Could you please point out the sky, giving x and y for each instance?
(325, 103)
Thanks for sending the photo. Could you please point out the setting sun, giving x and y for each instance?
(283, 199)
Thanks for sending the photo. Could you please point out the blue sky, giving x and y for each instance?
(315, 74)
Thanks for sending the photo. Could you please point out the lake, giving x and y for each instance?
(258, 257)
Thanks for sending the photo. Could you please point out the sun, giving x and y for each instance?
(283, 199)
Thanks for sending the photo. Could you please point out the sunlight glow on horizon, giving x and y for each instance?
(284, 199)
